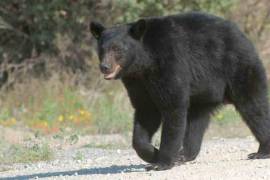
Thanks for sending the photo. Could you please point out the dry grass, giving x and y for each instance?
(51, 104)
(17, 153)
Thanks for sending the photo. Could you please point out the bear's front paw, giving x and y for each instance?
(258, 156)
(158, 167)
(181, 159)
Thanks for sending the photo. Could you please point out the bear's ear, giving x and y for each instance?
(96, 29)
(138, 29)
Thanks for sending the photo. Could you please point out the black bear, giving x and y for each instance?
(177, 70)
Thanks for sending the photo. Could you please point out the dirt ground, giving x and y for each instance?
(219, 159)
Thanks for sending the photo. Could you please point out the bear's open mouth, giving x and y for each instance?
(114, 73)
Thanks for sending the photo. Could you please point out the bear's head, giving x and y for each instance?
(120, 49)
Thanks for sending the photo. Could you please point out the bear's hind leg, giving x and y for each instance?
(249, 95)
(197, 122)
(255, 113)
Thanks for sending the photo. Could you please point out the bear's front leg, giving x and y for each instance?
(172, 137)
(147, 121)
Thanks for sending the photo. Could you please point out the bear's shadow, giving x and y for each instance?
(86, 171)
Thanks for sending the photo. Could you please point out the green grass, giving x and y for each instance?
(112, 114)
(226, 114)
(50, 105)
(227, 123)
(16, 153)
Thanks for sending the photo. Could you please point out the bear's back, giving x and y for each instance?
(192, 21)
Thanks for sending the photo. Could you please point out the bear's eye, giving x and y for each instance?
(115, 48)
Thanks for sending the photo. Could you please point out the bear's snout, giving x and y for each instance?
(105, 68)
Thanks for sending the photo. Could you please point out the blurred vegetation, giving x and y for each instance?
(49, 76)
(16, 153)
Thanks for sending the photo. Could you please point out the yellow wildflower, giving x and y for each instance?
(220, 116)
(82, 112)
(13, 121)
(45, 124)
(61, 118)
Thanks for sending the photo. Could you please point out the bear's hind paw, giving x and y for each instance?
(258, 156)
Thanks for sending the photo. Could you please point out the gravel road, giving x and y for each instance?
(219, 159)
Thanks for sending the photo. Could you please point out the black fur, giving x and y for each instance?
(177, 71)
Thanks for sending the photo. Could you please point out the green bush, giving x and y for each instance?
(145, 8)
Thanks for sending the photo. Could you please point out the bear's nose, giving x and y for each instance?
(105, 68)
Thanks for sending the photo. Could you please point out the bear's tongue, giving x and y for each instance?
(113, 74)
